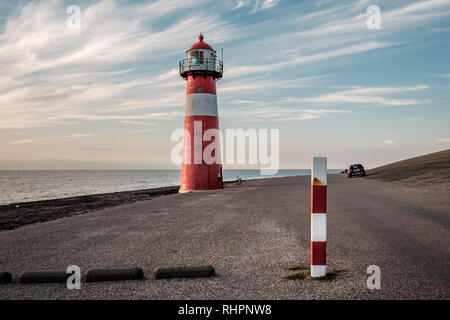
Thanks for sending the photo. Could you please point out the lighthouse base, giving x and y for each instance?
(187, 191)
(201, 177)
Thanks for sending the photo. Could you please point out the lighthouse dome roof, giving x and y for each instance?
(200, 44)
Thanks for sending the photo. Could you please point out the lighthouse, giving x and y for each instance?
(201, 70)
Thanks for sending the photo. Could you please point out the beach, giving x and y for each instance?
(255, 235)
(13, 216)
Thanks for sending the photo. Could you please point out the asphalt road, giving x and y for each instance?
(253, 234)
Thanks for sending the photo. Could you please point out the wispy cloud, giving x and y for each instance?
(441, 75)
(53, 76)
(43, 140)
(235, 87)
(23, 141)
(264, 4)
(335, 32)
(77, 135)
(253, 112)
(349, 50)
(257, 5)
(369, 95)
(389, 141)
(446, 140)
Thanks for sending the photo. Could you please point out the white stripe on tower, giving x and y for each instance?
(201, 104)
(318, 216)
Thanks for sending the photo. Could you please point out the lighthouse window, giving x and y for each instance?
(194, 56)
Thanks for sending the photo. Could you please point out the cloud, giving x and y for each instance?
(351, 23)
(36, 39)
(24, 141)
(389, 141)
(334, 32)
(265, 4)
(258, 5)
(253, 112)
(369, 95)
(52, 76)
(78, 135)
(236, 87)
(44, 140)
(441, 75)
(140, 123)
(303, 59)
(148, 116)
(445, 140)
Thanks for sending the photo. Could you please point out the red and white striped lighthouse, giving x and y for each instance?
(201, 69)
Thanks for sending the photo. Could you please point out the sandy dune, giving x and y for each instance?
(430, 169)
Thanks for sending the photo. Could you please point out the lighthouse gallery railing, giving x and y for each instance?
(199, 65)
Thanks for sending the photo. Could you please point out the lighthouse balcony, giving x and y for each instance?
(201, 66)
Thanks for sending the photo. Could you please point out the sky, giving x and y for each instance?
(108, 95)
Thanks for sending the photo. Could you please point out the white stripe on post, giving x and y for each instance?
(319, 227)
(318, 216)
(318, 271)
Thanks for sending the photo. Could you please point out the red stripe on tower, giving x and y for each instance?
(201, 70)
(318, 217)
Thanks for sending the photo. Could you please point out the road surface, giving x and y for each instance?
(252, 234)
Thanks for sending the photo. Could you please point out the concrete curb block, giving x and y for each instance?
(43, 276)
(96, 275)
(185, 272)
(5, 277)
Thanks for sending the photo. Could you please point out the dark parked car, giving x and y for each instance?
(356, 170)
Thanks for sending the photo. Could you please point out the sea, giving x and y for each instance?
(33, 185)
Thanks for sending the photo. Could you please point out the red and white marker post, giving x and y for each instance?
(318, 216)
